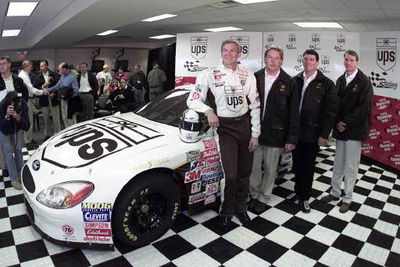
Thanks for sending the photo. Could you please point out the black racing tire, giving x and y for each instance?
(146, 208)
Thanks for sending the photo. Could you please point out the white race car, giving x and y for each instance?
(121, 176)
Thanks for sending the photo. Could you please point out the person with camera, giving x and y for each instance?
(13, 118)
(123, 98)
(9, 82)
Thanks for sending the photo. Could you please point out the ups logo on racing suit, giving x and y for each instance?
(234, 97)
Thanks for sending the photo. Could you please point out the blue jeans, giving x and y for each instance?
(12, 152)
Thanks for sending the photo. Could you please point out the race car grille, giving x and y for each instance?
(28, 180)
(31, 215)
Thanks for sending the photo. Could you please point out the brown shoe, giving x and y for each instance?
(344, 207)
(329, 198)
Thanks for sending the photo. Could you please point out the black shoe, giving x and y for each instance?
(304, 206)
(224, 221)
(31, 146)
(251, 203)
(5, 173)
(260, 207)
(243, 217)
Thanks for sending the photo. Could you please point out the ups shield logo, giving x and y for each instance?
(198, 47)
(386, 53)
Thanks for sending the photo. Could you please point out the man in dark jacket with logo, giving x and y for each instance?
(88, 87)
(352, 126)
(49, 103)
(318, 108)
(279, 125)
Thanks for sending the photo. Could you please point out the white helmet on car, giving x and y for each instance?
(190, 127)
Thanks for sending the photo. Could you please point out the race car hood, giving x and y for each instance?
(90, 142)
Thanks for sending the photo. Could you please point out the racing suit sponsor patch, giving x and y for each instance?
(234, 98)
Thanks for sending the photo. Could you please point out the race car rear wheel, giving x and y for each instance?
(146, 209)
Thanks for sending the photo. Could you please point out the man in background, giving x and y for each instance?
(88, 87)
(67, 88)
(33, 92)
(138, 81)
(49, 103)
(156, 79)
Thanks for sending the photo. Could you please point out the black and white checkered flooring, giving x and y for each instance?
(367, 235)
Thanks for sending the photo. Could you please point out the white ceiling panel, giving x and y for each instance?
(65, 23)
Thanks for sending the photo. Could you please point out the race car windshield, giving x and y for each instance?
(167, 109)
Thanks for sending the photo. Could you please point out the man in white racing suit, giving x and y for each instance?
(228, 96)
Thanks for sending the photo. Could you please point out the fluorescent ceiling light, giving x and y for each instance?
(107, 32)
(163, 36)
(245, 2)
(160, 17)
(21, 9)
(10, 33)
(318, 24)
(223, 29)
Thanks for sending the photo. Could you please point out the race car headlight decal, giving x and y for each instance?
(65, 195)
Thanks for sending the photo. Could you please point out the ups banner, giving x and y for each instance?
(329, 45)
(196, 52)
(379, 61)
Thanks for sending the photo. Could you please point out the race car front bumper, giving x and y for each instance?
(32, 216)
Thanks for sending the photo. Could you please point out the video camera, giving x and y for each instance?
(17, 104)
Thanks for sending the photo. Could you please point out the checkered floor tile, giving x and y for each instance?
(367, 235)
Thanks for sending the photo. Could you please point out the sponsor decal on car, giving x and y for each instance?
(210, 144)
(196, 187)
(212, 188)
(192, 176)
(208, 153)
(67, 229)
(210, 199)
(95, 140)
(193, 155)
(197, 197)
(97, 218)
(36, 165)
(149, 164)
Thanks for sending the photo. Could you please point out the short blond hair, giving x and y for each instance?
(26, 63)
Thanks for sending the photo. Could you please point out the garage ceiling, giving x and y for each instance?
(75, 23)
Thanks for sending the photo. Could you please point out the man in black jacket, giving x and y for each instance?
(49, 103)
(138, 81)
(318, 108)
(352, 126)
(88, 87)
(279, 125)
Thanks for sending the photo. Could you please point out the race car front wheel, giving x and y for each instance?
(146, 209)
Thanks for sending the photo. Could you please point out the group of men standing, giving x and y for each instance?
(270, 113)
